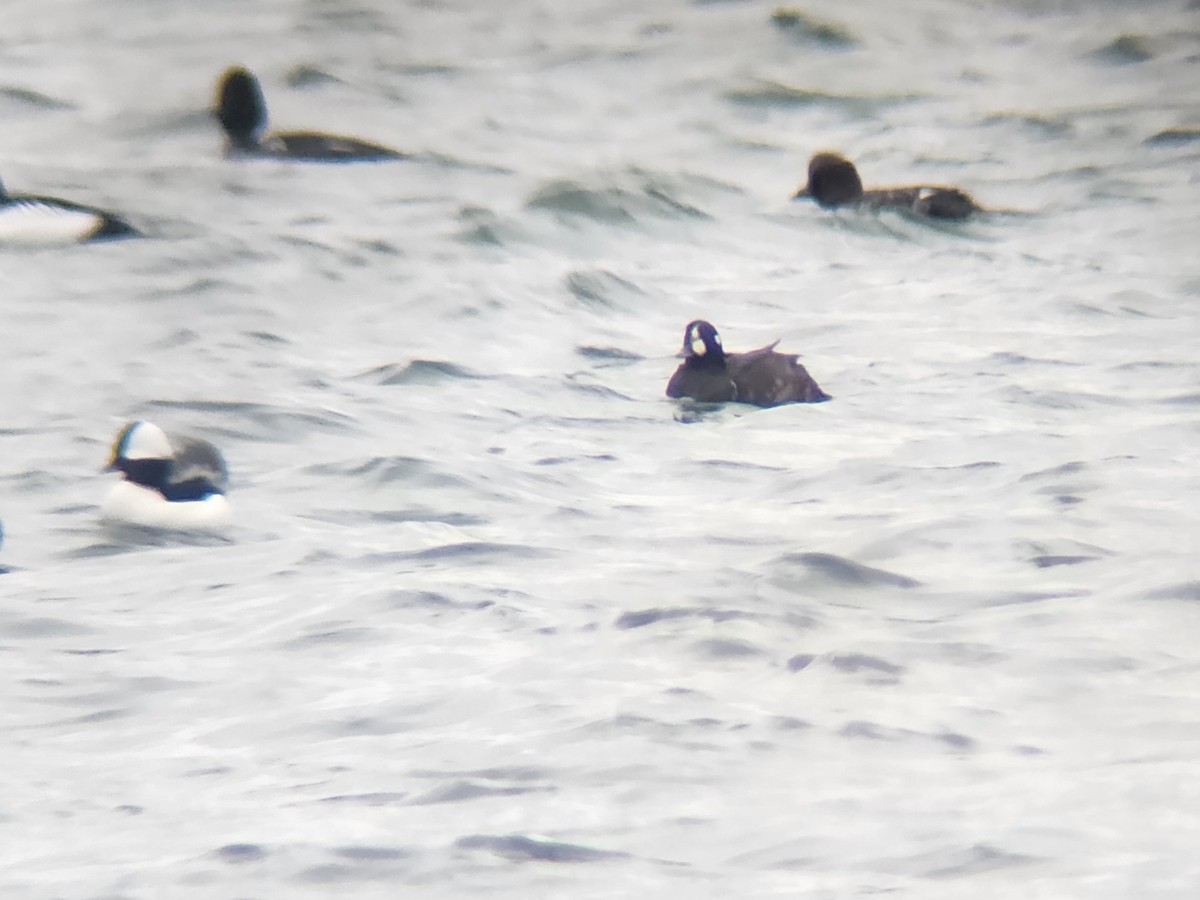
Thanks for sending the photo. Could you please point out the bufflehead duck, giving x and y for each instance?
(176, 483)
(242, 112)
(833, 181)
(761, 377)
(27, 219)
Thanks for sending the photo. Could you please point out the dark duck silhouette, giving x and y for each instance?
(761, 377)
(833, 181)
(242, 112)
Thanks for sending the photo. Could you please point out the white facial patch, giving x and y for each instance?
(146, 441)
(698, 348)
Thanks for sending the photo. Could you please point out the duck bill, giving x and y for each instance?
(802, 194)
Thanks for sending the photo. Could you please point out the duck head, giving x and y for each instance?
(241, 109)
(832, 180)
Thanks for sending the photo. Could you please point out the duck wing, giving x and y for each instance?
(934, 201)
(317, 146)
(766, 378)
(197, 470)
(702, 385)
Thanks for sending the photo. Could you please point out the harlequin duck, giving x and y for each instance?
(833, 181)
(761, 377)
(242, 112)
(175, 483)
(28, 219)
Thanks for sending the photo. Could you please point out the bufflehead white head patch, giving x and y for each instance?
(141, 440)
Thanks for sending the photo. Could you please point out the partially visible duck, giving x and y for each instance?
(833, 181)
(29, 219)
(761, 377)
(242, 112)
(175, 483)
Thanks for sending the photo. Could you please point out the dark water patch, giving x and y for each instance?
(1187, 590)
(1153, 365)
(97, 651)
(494, 773)
(562, 460)
(730, 465)
(1182, 400)
(1017, 598)
(866, 730)
(519, 848)
(800, 661)
(862, 730)
(467, 552)
(858, 663)
(266, 337)
(335, 873)
(126, 538)
(1124, 50)
(26, 97)
(238, 854)
(806, 29)
(99, 717)
(376, 798)
(957, 741)
(642, 618)
(1051, 561)
(306, 75)
(41, 627)
(411, 599)
(1040, 125)
(790, 724)
(598, 287)
(484, 227)
(367, 854)
(332, 636)
(1020, 359)
(258, 421)
(367, 726)
(384, 470)
(594, 390)
(1070, 468)
(646, 198)
(461, 791)
(773, 94)
(394, 516)
(964, 863)
(1173, 137)
(844, 572)
(726, 648)
(418, 371)
(446, 161)
(608, 354)
(1069, 400)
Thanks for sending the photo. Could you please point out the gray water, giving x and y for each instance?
(497, 617)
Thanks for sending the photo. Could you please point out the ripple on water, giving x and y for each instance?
(806, 29)
(636, 197)
(776, 94)
(802, 572)
(601, 288)
(519, 848)
(417, 371)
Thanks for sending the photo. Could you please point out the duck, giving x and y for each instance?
(30, 219)
(833, 181)
(242, 112)
(760, 377)
(175, 483)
